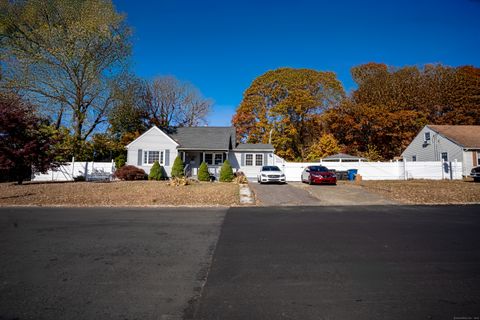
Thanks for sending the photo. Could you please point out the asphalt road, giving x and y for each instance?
(376, 262)
(103, 263)
(385, 262)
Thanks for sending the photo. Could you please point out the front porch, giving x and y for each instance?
(192, 160)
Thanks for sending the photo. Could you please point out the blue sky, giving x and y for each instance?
(222, 46)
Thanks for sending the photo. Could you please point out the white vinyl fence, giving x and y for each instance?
(395, 170)
(68, 171)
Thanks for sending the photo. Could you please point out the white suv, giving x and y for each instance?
(271, 174)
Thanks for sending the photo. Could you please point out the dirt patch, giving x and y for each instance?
(426, 191)
(119, 193)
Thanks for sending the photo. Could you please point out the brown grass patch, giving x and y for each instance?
(119, 193)
(427, 191)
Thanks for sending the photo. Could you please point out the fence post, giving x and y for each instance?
(405, 173)
(443, 169)
(456, 168)
(73, 167)
(450, 168)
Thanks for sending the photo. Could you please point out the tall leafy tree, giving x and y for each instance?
(128, 117)
(27, 143)
(64, 54)
(286, 104)
(391, 104)
(325, 146)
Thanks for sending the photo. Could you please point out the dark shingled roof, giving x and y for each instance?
(203, 138)
(463, 135)
(254, 146)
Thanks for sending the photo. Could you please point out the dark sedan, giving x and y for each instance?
(318, 175)
(475, 174)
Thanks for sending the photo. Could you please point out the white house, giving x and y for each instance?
(447, 143)
(213, 145)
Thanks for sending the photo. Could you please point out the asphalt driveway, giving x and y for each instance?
(98, 263)
(345, 193)
(300, 194)
(281, 195)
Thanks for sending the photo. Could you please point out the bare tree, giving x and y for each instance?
(171, 102)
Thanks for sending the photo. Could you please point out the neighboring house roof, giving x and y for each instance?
(203, 138)
(463, 135)
(254, 147)
(342, 156)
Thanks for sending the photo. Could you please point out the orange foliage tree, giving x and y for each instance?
(391, 105)
(288, 103)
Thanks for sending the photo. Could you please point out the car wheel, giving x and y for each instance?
(476, 179)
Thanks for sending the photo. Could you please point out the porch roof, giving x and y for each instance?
(200, 149)
(254, 147)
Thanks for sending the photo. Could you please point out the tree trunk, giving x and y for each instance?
(59, 118)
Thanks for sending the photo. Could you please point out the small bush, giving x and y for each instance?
(226, 172)
(120, 161)
(176, 182)
(177, 168)
(240, 178)
(130, 173)
(157, 172)
(79, 178)
(203, 174)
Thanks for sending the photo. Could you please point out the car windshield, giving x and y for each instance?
(318, 169)
(270, 168)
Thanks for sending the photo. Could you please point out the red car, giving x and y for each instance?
(318, 175)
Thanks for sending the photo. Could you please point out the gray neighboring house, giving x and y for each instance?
(194, 145)
(447, 143)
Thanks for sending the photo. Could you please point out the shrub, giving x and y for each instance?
(130, 173)
(182, 181)
(203, 174)
(157, 172)
(79, 178)
(226, 172)
(177, 168)
(120, 161)
(240, 178)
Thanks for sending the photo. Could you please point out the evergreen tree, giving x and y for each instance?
(203, 174)
(226, 172)
(156, 172)
(177, 169)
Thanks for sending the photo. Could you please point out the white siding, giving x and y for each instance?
(250, 171)
(468, 162)
(433, 150)
(152, 140)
